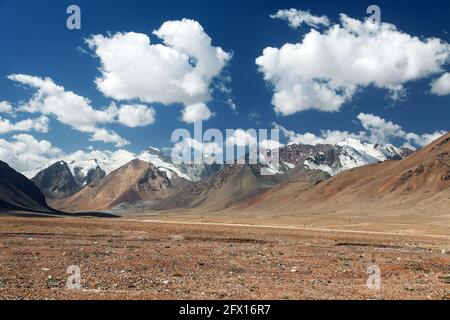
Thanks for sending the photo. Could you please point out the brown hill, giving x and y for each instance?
(135, 181)
(17, 193)
(418, 184)
(232, 185)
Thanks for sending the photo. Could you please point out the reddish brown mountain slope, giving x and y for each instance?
(232, 185)
(135, 181)
(418, 184)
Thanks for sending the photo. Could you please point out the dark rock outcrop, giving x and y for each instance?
(57, 181)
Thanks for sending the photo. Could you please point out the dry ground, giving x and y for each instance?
(125, 259)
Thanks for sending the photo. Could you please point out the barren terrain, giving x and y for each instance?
(137, 259)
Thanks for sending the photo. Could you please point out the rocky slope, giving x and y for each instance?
(19, 193)
(334, 159)
(57, 181)
(86, 172)
(63, 178)
(419, 183)
(233, 185)
(190, 172)
(136, 181)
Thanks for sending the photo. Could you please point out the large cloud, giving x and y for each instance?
(180, 70)
(325, 69)
(76, 111)
(376, 130)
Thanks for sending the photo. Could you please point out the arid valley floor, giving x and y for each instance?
(146, 259)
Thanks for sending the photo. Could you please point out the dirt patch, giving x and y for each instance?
(121, 259)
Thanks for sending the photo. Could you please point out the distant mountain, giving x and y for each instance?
(135, 181)
(334, 159)
(86, 172)
(231, 186)
(304, 165)
(64, 179)
(191, 172)
(19, 193)
(107, 163)
(418, 184)
(57, 181)
(111, 162)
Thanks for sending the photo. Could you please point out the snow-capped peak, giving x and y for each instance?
(162, 162)
(348, 154)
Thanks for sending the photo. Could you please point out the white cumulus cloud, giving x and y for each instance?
(327, 68)
(38, 124)
(28, 155)
(108, 136)
(24, 152)
(77, 112)
(136, 115)
(441, 86)
(5, 107)
(180, 70)
(380, 130)
(196, 112)
(376, 130)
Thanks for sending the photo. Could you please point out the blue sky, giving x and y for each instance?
(36, 42)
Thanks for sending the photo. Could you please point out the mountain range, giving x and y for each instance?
(313, 177)
(345, 155)
(135, 181)
(63, 179)
(419, 183)
(94, 184)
